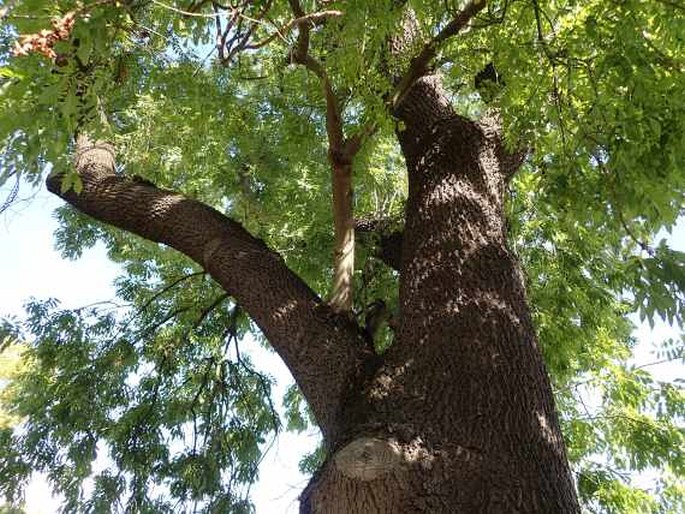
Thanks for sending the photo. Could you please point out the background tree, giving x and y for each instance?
(256, 113)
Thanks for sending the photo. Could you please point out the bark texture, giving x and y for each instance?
(460, 417)
(325, 352)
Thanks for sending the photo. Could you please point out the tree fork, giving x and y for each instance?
(387, 242)
(488, 441)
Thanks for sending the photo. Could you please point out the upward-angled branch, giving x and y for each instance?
(421, 102)
(322, 350)
(419, 64)
(6, 9)
(300, 55)
(308, 19)
(341, 152)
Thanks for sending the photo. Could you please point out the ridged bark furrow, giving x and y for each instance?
(463, 397)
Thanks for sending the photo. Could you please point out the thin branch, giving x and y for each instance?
(235, 38)
(95, 306)
(354, 143)
(679, 356)
(300, 327)
(219, 38)
(242, 40)
(341, 153)
(208, 310)
(553, 61)
(643, 245)
(181, 11)
(313, 19)
(263, 383)
(493, 18)
(538, 24)
(169, 287)
(152, 328)
(14, 192)
(300, 55)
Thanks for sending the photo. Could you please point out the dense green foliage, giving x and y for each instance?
(157, 381)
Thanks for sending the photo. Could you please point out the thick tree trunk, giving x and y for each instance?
(460, 418)
(458, 415)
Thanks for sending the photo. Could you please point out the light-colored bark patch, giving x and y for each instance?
(369, 458)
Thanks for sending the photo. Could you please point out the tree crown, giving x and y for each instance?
(220, 103)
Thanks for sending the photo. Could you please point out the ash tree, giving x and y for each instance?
(440, 215)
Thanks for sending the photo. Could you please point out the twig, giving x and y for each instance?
(208, 310)
(313, 18)
(169, 287)
(644, 246)
(159, 293)
(12, 195)
(181, 11)
(680, 355)
(262, 383)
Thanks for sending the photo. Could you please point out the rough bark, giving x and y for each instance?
(460, 417)
(324, 351)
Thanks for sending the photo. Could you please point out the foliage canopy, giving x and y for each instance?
(595, 89)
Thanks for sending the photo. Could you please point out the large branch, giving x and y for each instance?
(322, 350)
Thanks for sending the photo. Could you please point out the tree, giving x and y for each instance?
(218, 133)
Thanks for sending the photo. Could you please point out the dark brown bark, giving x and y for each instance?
(460, 417)
(385, 240)
(324, 351)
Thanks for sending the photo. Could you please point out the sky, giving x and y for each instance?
(30, 267)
